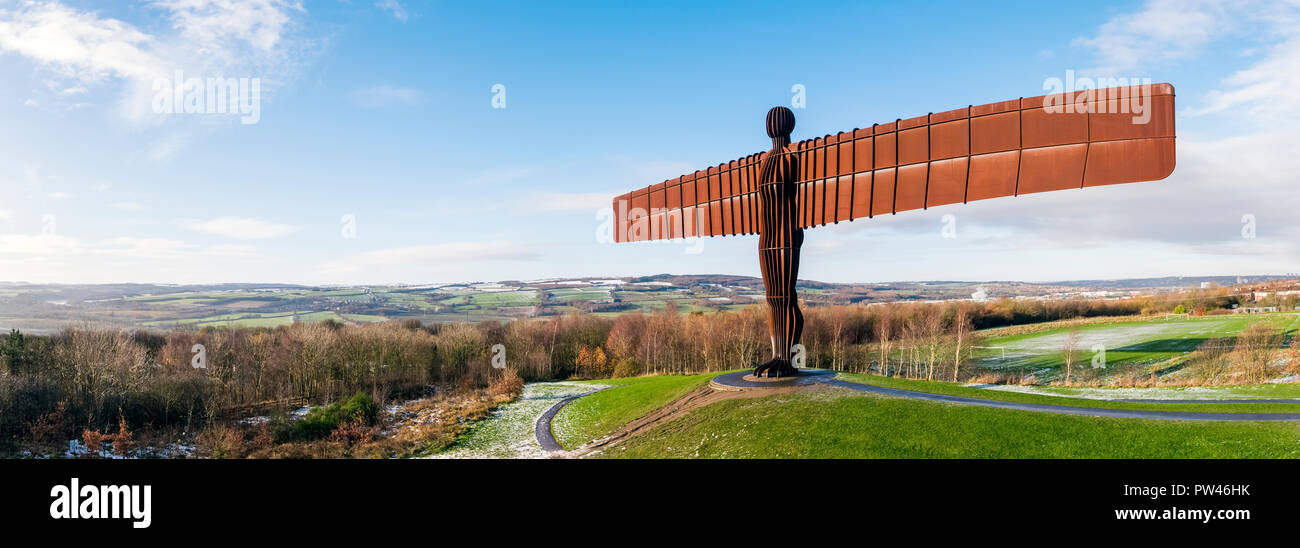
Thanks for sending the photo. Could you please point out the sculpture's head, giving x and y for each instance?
(780, 122)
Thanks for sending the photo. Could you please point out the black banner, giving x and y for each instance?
(304, 499)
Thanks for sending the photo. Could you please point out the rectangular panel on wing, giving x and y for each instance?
(844, 201)
(910, 191)
(882, 196)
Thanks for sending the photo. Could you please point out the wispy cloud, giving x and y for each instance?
(242, 229)
(416, 262)
(82, 51)
(1170, 31)
(399, 11)
(51, 258)
(1162, 31)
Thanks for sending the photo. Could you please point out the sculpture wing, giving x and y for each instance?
(1021, 146)
(718, 201)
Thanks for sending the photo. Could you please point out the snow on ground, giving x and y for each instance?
(173, 450)
(1156, 393)
(509, 432)
(1155, 336)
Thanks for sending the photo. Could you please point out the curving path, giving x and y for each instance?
(542, 430)
(736, 381)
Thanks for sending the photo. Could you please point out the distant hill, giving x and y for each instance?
(50, 307)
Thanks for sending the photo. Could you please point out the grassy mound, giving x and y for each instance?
(843, 424)
(958, 389)
(595, 416)
(1130, 343)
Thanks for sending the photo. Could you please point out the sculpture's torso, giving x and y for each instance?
(777, 179)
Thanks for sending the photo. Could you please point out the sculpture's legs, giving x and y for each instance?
(779, 262)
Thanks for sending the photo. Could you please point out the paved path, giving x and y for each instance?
(542, 430)
(736, 381)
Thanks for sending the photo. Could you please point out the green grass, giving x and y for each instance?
(584, 294)
(505, 298)
(1128, 343)
(263, 319)
(957, 389)
(841, 424)
(595, 416)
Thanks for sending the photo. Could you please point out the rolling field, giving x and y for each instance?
(1134, 343)
(265, 319)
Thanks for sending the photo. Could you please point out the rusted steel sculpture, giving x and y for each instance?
(1037, 144)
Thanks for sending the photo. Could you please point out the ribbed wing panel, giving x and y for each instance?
(1036, 144)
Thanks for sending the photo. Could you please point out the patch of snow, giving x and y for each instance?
(510, 431)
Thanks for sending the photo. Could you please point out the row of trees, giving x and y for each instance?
(145, 378)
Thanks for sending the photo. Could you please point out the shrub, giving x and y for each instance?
(123, 440)
(94, 442)
(221, 442)
(507, 386)
(320, 421)
(48, 427)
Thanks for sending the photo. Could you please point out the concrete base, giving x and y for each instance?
(745, 380)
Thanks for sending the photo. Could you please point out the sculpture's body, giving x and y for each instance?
(779, 239)
(1054, 142)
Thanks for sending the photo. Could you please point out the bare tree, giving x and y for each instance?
(1068, 351)
(884, 331)
(934, 335)
(961, 326)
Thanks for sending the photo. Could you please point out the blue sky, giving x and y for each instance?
(382, 111)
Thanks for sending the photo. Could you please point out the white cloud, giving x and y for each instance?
(77, 44)
(60, 195)
(1267, 90)
(386, 96)
(259, 23)
(6, 214)
(1198, 210)
(83, 51)
(1162, 31)
(416, 262)
(44, 244)
(242, 229)
(399, 11)
(1170, 31)
(64, 259)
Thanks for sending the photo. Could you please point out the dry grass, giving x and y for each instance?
(417, 427)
